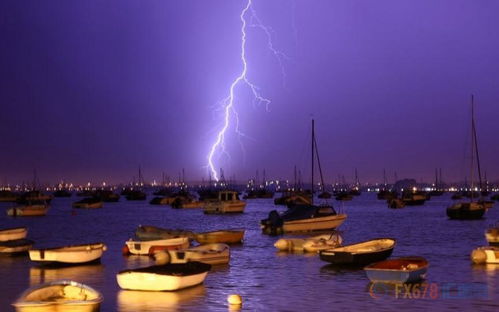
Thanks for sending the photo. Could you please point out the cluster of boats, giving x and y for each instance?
(488, 254)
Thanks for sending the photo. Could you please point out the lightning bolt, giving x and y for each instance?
(228, 102)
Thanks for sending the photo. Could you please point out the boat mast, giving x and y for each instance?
(476, 148)
(313, 152)
(472, 147)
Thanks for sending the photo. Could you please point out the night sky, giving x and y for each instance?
(90, 90)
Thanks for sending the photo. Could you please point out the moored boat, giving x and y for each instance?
(395, 203)
(166, 277)
(88, 203)
(13, 233)
(492, 235)
(149, 232)
(59, 296)
(69, 254)
(222, 236)
(304, 218)
(15, 246)
(309, 244)
(210, 253)
(399, 270)
(29, 210)
(466, 211)
(152, 246)
(227, 202)
(360, 253)
(161, 200)
(486, 254)
(487, 204)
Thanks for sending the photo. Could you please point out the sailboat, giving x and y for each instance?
(305, 217)
(473, 209)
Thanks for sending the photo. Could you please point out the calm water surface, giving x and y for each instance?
(266, 279)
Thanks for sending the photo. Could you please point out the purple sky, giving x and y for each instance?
(90, 90)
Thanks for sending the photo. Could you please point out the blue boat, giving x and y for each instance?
(399, 270)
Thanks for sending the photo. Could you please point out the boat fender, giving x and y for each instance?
(235, 299)
(125, 250)
(478, 256)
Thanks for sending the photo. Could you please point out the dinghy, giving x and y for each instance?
(30, 210)
(211, 254)
(309, 244)
(69, 254)
(492, 235)
(88, 203)
(149, 232)
(222, 236)
(166, 277)
(59, 296)
(400, 270)
(361, 253)
(15, 246)
(486, 254)
(13, 234)
(152, 246)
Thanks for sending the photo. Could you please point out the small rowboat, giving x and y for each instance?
(28, 210)
(153, 246)
(492, 235)
(88, 203)
(166, 277)
(15, 246)
(211, 254)
(149, 232)
(13, 233)
(309, 244)
(486, 254)
(361, 253)
(222, 236)
(400, 270)
(69, 254)
(59, 296)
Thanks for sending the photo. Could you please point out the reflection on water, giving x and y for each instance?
(134, 301)
(136, 261)
(48, 273)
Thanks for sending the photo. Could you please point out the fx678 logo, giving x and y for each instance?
(429, 291)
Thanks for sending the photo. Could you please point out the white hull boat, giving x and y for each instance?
(309, 244)
(59, 296)
(28, 211)
(210, 253)
(168, 277)
(13, 234)
(153, 246)
(486, 254)
(69, 254)
(15, 246)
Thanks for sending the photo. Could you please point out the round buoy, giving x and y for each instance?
(235, 300)
(478, 256)
(161, 257)
(125, 250)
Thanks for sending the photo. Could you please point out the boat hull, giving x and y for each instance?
(314, 224)
(213, 254)
(463, 211)
(71, 254)
(28, 211)
(361, 253)
(224, 207)
(13, 234)
(482, 255)
(15, 246)
(59, 296)
(88, 205)
(400, 270)
(226, 237)
(169, 277)
(150, 247)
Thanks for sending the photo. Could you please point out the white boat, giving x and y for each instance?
(152, 246)
(227, 202)
(59, 296)
(28, 210)
(304, 218)
(166, 277)
(136, 300)
(210, 253)
(13, 233)
(69, 254)
(486, 254)
(15, 246)
(309, 244)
